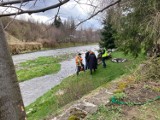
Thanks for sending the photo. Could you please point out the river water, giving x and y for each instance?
(36, 87)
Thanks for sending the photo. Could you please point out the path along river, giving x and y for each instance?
(34, 88)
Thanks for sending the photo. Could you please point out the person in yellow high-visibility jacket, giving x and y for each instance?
(104, 56)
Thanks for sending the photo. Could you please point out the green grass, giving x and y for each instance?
(38, 67)
(150, 111)
(74, 87)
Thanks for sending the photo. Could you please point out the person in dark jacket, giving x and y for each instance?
(92, 62)
(87, 60)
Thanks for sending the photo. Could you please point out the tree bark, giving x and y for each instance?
(11, 104)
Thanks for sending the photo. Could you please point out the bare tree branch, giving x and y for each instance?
(89, 4)
(101, 10)
(14, 2)
(57, 13)
(7, 6)
(57, 5)
(14, 16)
(38, 10)
(35, 2)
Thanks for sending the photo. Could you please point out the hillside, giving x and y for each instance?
(11, 39)
(31, 35)
(31, 31)
(16, 46)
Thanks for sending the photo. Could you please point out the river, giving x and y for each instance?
(36, 87)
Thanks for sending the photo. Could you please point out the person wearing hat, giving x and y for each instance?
(79, 63)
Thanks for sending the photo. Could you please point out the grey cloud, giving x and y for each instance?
(66, 11)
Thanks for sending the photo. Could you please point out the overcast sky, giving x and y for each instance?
(70, 9)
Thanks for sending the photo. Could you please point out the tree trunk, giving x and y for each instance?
(11, 104)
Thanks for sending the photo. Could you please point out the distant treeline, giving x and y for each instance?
(50, 35)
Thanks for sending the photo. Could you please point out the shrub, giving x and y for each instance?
(119, 95)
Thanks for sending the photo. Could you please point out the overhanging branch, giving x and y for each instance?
(14, 2)
(58, 5)
(36, 11)
(101, 10)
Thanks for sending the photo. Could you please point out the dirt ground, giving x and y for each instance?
(140, 92)
(135, 91)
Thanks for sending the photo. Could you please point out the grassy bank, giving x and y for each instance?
(74, 87)
(40, 67)
(137, 96)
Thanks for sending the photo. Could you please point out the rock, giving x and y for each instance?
(108, 92)
(85, 106)
(101, 98)
(118, 60)
(54, 118)
(72, 111)
(78, 112)
(60, 92)
(114, 50)
(88, 107)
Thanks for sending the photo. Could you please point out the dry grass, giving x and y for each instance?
(150, 70)
(122, 85)
(11, 39)
(16, 48)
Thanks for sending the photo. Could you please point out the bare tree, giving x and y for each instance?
(11, 105)
(12, 4)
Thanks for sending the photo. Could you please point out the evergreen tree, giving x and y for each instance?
(107, 36)
(57, 21)
(137, 25)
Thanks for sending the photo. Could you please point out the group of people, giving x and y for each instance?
(90, 61)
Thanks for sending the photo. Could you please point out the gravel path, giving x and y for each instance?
(34, 88)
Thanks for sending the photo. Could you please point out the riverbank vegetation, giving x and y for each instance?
(40, 67)
(74, 87)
